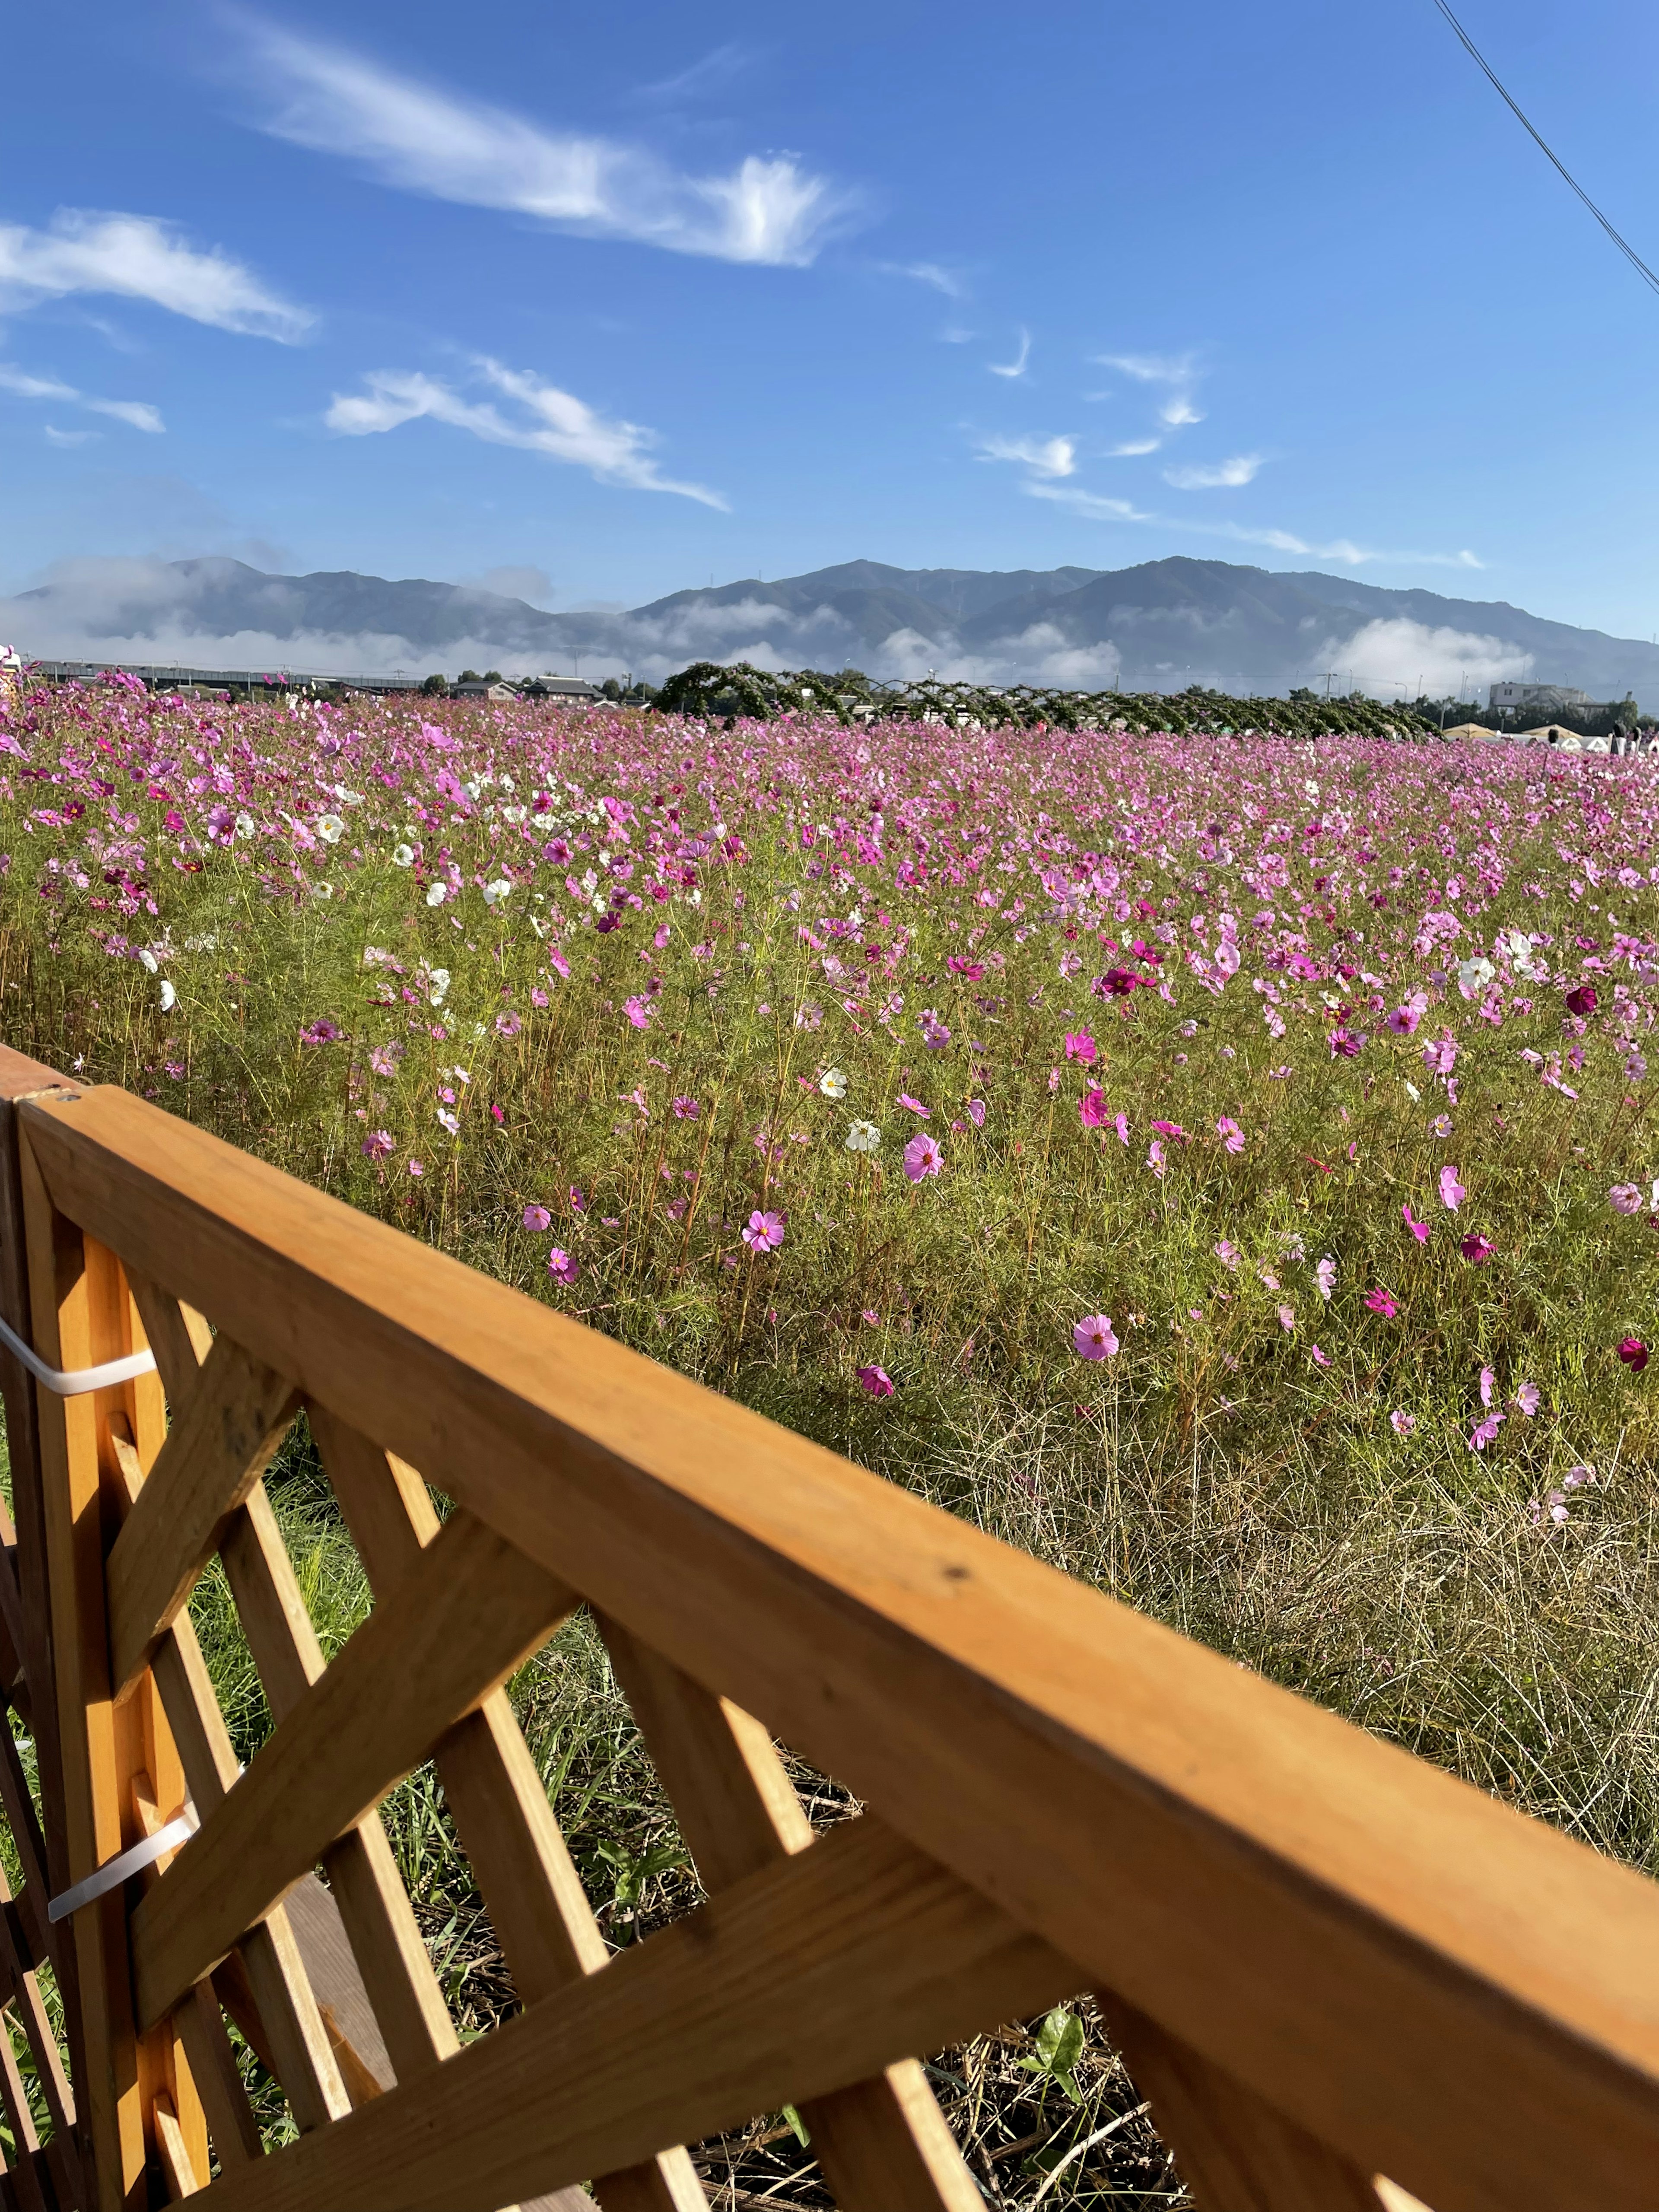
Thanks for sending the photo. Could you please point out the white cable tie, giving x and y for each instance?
(76, 1382)
(125, 1865)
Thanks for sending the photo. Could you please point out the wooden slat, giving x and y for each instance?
(1061, 1752)
(1236, 2154)
(37, 2027)
(738, 1811)
(540, 1914)
(816, 1972)
(177, 2165)
(451, 1631)
(200, 2026)
(218, 1447)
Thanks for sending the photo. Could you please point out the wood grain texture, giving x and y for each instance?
(883, 2139)
(219, 1445)
(177, 2165)
(1235, 2152)
(818, 1971)
(200, 2026)
(1301, 1891)
(445, 1638)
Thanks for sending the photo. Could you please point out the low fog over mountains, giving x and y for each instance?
(1159, 626)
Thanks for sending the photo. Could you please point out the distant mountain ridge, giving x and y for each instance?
(1159, 625)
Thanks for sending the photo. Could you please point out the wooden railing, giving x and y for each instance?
(1324, 1961)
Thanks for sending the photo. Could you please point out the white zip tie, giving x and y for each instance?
(76, 1382)
(124, 1865)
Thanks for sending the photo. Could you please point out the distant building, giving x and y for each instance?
(1535, 698)
(479, 690)
(557, 687)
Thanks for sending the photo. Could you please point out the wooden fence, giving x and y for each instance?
(1325, 1961)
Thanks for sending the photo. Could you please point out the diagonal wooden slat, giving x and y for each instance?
(219, 1445)
(818, 1971)
(37, 2027)
(738, 1811)
(451, 1631)
(1236, 2152)
(200, 2026)
(536, 1905)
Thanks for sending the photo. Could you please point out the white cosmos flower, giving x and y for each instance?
(863, 1137)
(328, 828)
(169, 997)
(322, 890)
(149, 959)
(437, 986)
(245, 825)
(437, 893)
(496, 892)
(403, 856)
(833, 1083)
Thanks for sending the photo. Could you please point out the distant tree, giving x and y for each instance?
(611, 688)
(492, 676)
(468, 676)
(435, 686)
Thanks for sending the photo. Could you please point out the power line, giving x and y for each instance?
(1475, 55)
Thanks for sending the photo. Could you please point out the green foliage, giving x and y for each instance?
(1058, 2049)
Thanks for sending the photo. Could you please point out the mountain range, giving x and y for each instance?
(1160, 625)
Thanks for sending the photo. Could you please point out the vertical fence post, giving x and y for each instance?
(118, 1760)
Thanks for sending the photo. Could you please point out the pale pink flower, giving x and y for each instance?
(536, 1218)
(763, 1232)
(1402, 1423)
(415, 1168)
(1155, 1157)
(1527, 1399)
(976, 1112)
(1229, 1133)
(1452, 1192)
(1287, 1318)
(684, 1110)
(1485, 1432)
(377, 1144)
(1487, 1379)
(561, 1265)
(1121, 1125)
(1325, 1276)
(1227, 1253)
(1094, 1339)
(1625, 1198)
(914, 1105)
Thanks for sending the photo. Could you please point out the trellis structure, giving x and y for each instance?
(1325, 1961)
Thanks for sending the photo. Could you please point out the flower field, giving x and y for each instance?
(1223, 1167)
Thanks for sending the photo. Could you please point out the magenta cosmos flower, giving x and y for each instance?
(763, 1232)
(377, 1144)
(1091, 1108)
(1093, 1339)
(877, 1380)
(1582, 1001)
(1229, 1133)
(922, 1157)
(1477, 1249)
(1380, 1303)
(1418, 1228)
(561, 1265)
(536, 1218)
(1634, 1353)
(1081, 1045)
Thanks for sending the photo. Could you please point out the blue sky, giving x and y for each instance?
(629, 299)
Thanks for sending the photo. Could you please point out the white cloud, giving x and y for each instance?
(1089, 502)
(551, 422)
(1179, 412)
(928, 272)
(1177, 371)
(425, 140)
(1101, 509)
(1132, 447)
(56, 437)
(1240, 470)
(140, 257)
(1414, 655)
(1052, 457)
(1016, 366)
(137, 413)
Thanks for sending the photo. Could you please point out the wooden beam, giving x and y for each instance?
(814, 1973)
(441, 1642)
(219, 1445)
(1390, 1956)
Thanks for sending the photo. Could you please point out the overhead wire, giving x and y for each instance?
(1492, 76)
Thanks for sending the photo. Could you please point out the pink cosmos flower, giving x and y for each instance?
(507, 1025)
(561, 1265)
(1325, 1276)
(1634, 1353)
(1229, 1133)
(638, 1012)
(377, 1144)
(1582, 1001)
(322, 1032)
(536, 1218)
(1171, 1129)
(976, 1112)
(684, 1110)
(1527, 1399)
(1485, 1432)
(1287, 1318)
(914, 1105)
(1477, 1249)
(415, 1168)
(1121, 1125)
(1155, 1157)
(1227, 1253)
(381, 1060)
(1452, 1192)
(1080, 1046)
(1380, 1303)
(922, 1157)
(1418, 1228)
(1403, 1020)
(877, 1380)
(762, 1232)
(1441, 1057)
(1091, 1108)
(1402, 1423)
(1625, 1198)
(1321, 1358)
(1487, 1379)
(1094, 1339)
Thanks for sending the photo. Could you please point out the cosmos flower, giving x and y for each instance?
(536, 1218)
(1226, 1253)
(833, 1084)
(377, 1143)
(561, 1265)
(1477, 1249)
(1380, 1301)
(922, 1157)
(1402, 1423)
(1583, 1001)
(1080, 1046)
(877, 1380)
(863, 1137)
(1625, 1198)
(1633, 1352)
(1093, 1339)
(1420, 1229)
(1325, 1276)
(1229, 1133)
(1091, 1108)
(1526, 1400)
(1452, 1192)
(763, 1232)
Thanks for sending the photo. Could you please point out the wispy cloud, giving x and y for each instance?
(1282, 541)
(1016, 366)
(138, 414)
(141, 256)
(548, 422)
(56, 437)
(423, 139)
(1178, 372)
(1132, 447)
(715, 70)
(1208, 476)
(928, 272)
(1047, 457)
